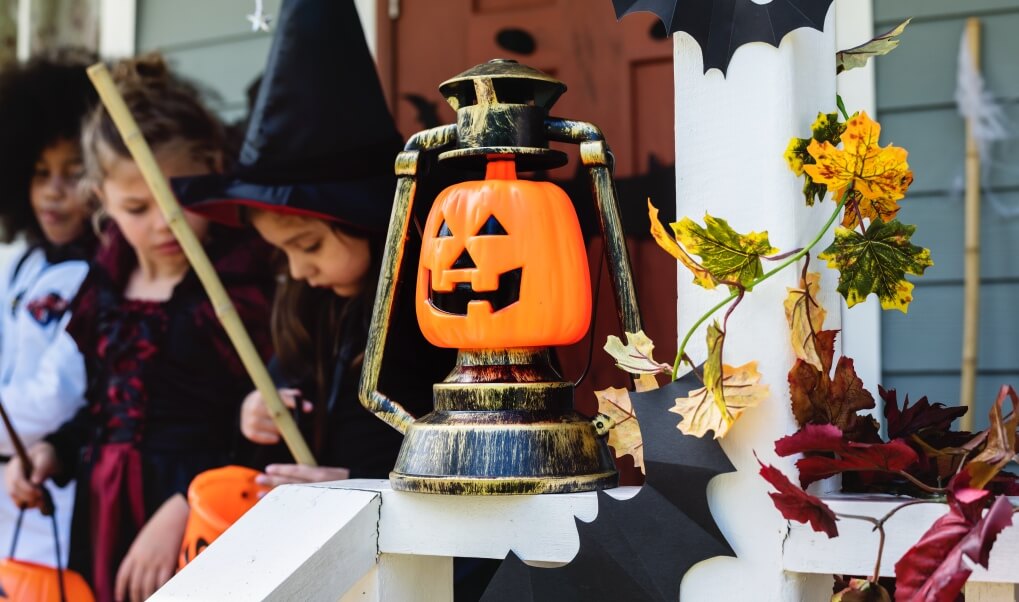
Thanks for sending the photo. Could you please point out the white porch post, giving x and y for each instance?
(730, 136)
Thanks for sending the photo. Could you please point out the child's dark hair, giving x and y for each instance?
(307, 321)
(41, 103)
(167, 108)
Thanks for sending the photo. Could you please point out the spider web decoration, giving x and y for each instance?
(638, 549)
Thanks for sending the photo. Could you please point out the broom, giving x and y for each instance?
(195, 253)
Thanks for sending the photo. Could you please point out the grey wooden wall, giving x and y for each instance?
(915, 98)
(209, 41)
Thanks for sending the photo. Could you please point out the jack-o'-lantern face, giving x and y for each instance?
(503, 264)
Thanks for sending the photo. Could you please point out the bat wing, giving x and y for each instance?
(722, 26)
(637, 549)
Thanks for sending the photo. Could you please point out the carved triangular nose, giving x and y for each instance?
(464, 261)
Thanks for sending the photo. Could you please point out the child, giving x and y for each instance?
(165, 385)
(316, 180)
(42, 374)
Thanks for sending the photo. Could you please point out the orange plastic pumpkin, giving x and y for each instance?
(21, 580)
(217, 499)
(503, 264)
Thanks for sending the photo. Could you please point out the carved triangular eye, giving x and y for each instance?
(492, 227)
(444, 230)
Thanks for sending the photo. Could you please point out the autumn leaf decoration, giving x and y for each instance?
(634, 357)
(624, 431)
(856, 57)
(727, 257)
(826, 128)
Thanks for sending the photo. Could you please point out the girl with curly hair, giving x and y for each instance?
(42, 373)
(164, 383)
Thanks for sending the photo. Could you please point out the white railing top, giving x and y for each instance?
(854, 551)
(317, 541)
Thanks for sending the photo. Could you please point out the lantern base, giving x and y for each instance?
(506, 486)
(507, 452)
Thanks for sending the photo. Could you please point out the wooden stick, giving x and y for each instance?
(195, 253)
(971, 303)
(26, 463)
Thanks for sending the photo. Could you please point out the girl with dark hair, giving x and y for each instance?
(42, 374)
(164, 383)
(315, 179)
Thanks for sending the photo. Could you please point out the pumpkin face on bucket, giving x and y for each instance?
(503, 264)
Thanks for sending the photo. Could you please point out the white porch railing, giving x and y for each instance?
(854, 551)
(359, 540)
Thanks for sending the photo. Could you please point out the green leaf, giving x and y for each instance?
(826, 128)
(713, 366)
(858, 56)
(877, 262)
(729, 256)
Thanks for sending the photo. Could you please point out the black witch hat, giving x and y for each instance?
(320, 140)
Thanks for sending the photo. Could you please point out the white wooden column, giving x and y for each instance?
(730, 136)
(861, 335)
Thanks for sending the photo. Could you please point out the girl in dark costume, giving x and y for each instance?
(315, 178)
(164, 384)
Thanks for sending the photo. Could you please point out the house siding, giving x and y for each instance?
(922, 351)
(210, 43)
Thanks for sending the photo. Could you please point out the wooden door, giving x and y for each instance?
(619, 76)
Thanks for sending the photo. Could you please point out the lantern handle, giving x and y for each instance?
(407, 164)
(597, 158)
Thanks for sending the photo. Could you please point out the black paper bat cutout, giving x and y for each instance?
(722, 26)
(637, 549)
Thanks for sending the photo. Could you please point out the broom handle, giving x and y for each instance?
(26, 463)
(971, 295)
(195, 253)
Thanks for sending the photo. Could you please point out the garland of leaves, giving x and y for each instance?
(872, 253)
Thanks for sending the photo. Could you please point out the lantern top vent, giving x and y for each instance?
(501, 107)
(511, 83)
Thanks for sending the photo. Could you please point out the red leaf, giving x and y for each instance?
(918, 417)
(1001, 439)
(798, 505)
(849, 455)
(934, 569)
(817, 398)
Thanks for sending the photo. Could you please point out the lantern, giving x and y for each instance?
(503, 278)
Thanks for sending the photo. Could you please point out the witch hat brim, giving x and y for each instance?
(321, 141)
(220, 197)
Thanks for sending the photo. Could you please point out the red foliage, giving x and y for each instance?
(891, 457)
(921, 416)
(934, 570)
(798, 505)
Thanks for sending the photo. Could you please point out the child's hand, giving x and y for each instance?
(257, 425)
(152, 558)
(284, 474)
(27, 493)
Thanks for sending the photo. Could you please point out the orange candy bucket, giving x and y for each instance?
(217, 498)
(22, 580)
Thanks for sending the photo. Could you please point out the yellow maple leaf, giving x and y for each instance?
(635, 356)
(624, 434)
(701, 412)
(806, 318)
(701, 276)
(880, 176)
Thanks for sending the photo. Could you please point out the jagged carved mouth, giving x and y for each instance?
(455, 301)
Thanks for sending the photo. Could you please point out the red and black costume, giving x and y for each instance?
(163, 394)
